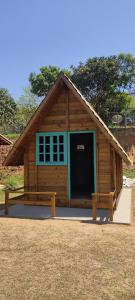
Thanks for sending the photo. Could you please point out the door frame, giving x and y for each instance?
(94, 157)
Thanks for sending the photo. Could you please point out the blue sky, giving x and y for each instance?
(34, 33)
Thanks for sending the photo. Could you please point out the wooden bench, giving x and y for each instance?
(18, 200)
(105, 201)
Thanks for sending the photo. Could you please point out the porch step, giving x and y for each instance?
(81, 203)
(75, 203)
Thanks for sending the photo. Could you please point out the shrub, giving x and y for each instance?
(12, 182)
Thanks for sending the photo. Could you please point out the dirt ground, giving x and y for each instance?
(133, 206)
(55, 259)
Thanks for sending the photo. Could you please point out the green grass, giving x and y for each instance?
(12, 136)
(11, 182)
(129, 173)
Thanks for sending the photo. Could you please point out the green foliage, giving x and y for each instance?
(129, 173)
(126, 71)
(9, 181)
(42, 82)
(104, 81)
(12, 136)
(3, 175)
(12, 182)
(26, 106)
(96, 78)
(7, 109)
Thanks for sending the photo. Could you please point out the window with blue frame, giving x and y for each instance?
(51, 148)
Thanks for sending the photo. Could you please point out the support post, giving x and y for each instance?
(111, 207)
(94, 207)
(6, 202)
(53, 212)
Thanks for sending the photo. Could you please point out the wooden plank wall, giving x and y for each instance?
(55, 178)
(119, 173)
(104, 164)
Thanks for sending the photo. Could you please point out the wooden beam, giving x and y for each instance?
(114, 171)
(6, 202)
(15, 200)
(94, 206)
(32, 193)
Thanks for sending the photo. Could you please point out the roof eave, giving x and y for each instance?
(5, 140)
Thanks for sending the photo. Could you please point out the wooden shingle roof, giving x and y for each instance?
(4, 140)
(15, 157)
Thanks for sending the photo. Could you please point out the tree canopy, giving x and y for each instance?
(26, 106)
(7, 109)
(104, 81)
(42, 82)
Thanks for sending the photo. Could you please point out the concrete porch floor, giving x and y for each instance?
(122, 214)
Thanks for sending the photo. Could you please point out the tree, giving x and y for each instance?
(104, 81)
(97, 80)
(26, 106)
(126, 68)
(42, 82)
(7, 109)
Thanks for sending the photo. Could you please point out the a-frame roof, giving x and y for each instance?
(16, 155)
(4, 140)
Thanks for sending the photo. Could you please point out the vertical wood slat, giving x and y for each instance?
(111, 207)
(68, 129)
(97, 161)
(94, 207)
(53, 208)
(36, 180)
(114, 172)
(67, 109)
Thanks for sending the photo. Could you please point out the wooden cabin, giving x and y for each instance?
(66, 148)
(5, 146)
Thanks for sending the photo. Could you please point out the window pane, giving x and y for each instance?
(55, 139)
(41, 140)
(61, 140)
(61, 157)
(47, 148)
(54, 148)
(41, 148)
(61, 148)
(41, 157)
(51, 148)
(47, 139)
(47, 157)
(55, 157)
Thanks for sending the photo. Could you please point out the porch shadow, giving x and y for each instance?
(62, 213)
(122, 215)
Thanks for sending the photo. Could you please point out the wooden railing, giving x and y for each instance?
(18, 200)
(104, 200)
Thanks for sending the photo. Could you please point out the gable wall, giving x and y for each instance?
(64, 117)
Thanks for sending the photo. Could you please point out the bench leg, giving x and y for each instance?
(111, 214)
(6, 202)
(53, 210)
(94, 208)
